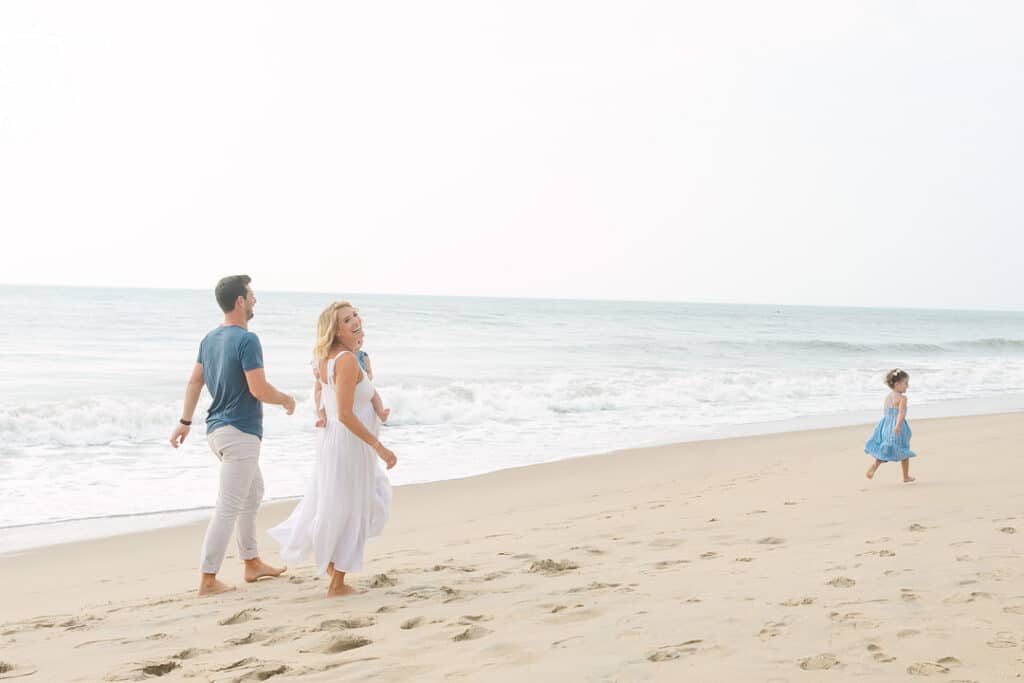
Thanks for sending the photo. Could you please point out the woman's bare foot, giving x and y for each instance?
(256, 569)
(338, 586)
(210, 585)
(343, 589)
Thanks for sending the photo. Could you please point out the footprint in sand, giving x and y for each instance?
(161, 669)
(665, 564)
(963, 598)
(345, 624)
(819, 662)
(472, 633)
(878, 655)
(445, 593)
(744, 559)
(710, 555)
(908, 633)
(474, 618)
(772, 540)
(594, 586)
(590, 549)
(571, 615)
(341, 644)
(797, 602)
(908, 595)
(1014, 609)
(854, 620)
(926, 669)
(552, 567)
(241, 617)
(670, 652)
(261, 674)
(917, 527)
(248, 661)
(190, 653)
(11, 670)
(248, 639)
(1002, 640)
(1008, 530)
(841, 582)
(383, 581)
(771, 630)
(410, 624)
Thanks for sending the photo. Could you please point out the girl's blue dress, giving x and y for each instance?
(885, 444)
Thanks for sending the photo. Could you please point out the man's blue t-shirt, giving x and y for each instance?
(226, 354)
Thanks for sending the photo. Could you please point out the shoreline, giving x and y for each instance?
(747, 558)
(20, 538)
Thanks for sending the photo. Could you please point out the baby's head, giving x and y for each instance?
(897, 380)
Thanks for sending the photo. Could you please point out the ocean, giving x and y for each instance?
(92, 381)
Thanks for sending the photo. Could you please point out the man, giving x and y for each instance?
(230, 364)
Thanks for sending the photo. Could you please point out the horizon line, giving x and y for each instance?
(528, 298)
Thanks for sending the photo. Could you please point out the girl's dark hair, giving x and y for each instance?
(894, 377)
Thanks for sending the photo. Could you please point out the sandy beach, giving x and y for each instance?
(765, 558)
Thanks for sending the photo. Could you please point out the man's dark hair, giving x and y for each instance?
(229, 289)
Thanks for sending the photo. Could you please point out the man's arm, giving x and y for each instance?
(264, 391)
(192, 391)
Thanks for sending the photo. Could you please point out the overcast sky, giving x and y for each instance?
(858, 153)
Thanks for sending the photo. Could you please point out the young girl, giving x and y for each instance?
(891, 440)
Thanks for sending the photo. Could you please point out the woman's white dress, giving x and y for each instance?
(348, 497)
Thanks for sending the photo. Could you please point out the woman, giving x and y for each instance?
(348, 498)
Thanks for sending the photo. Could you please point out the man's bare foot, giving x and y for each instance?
(214, 586)
(256, 569)
(907, 480)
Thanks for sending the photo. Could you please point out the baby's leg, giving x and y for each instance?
(874, 468)
(906, 471)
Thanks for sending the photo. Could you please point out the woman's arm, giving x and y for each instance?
(346, 377)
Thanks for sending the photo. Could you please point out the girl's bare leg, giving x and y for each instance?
(906, 471)
(874, 468)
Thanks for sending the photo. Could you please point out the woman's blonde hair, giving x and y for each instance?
(327, 329)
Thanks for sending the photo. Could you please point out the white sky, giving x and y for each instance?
(861, 153)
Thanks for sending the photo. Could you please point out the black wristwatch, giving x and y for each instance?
(187, 423)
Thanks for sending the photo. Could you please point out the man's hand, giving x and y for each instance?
(289, 405)
(180, 432)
